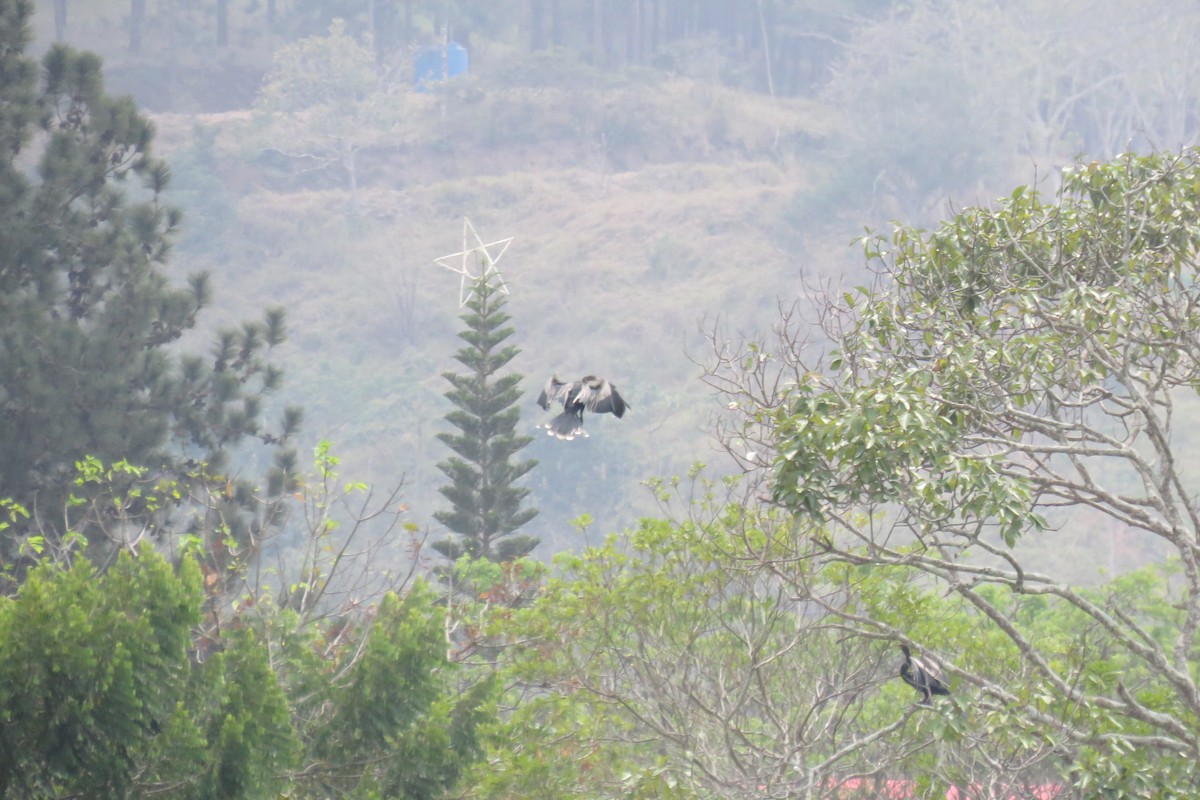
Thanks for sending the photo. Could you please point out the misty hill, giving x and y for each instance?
(619, 254)
(649, 185)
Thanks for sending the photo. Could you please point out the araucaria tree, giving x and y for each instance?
(486, 504)
(90, 320)
(1021, 382)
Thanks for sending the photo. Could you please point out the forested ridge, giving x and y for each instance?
(273, 482)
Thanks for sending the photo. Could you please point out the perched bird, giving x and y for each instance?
(927, 679)
(594, 394)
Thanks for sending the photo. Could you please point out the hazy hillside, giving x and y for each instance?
(965, 551)
(612, 269)
(644, 195)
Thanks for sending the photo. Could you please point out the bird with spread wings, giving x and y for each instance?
(594, 394)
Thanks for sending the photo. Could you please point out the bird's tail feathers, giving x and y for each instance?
(566, 426)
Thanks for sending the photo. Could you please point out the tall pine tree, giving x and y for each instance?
(486, 504)
(90, 319)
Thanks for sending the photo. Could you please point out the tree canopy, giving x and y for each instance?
(101, 700)
(145, 679)
(90, 318)
(1016, 383)
(334, 100)
(139, 654)
(669, 634)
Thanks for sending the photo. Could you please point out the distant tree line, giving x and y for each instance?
(779, 45)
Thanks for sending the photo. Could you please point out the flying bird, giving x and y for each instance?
(927, 679)
(595, 394)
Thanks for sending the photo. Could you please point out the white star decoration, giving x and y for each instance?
(484, 259)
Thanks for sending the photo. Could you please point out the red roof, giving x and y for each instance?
(902, 789)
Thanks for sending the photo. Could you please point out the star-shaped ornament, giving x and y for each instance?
(480, 256)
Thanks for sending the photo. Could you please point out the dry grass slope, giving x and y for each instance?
(612, 269)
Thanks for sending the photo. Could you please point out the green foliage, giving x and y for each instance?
(324, 99)
(82, 678)
(246, 722)
(101, 699)
(332, 71)
(389, 720)
(672, 661)
(485, 504)
(19, 85)
(88, 314)
(139, 680)
(994, 322)
(1018, 362)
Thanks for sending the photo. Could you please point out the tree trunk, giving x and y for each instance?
(537, 25)
(222, 23)
(637, 50)
(173, 47)
(676, 21)
(60, 19)
(766, 49)
(373, 31)
(137, 16)
(597, 32)
(350, 164)
(655, 32)
(556, 34)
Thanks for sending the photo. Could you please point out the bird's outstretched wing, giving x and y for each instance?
(600, 397)
(555, 391)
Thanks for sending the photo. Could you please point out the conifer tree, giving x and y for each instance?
(90, 319)
(486, 504)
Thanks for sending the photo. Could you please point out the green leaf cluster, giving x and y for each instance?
(668, 662)
(1023, 367)
(392, 719)
(101, 698)
(1004, 326)
(105, 693)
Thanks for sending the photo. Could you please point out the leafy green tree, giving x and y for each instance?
(116, 683)
(245, 720)
(101, 699)
(89, 317)
(486, 504)
(360, 652)
(397, 724)
(1003, 418)
(672, 661)
(333, 70)
(105, 697)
